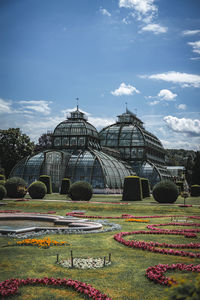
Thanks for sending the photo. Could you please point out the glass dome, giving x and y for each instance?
(105, 173)
(136, 146)
(75, 132)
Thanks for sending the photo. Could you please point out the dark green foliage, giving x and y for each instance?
(2, 177)
(2, 182)
(145, 187)
(180, 185)
(47, 181)
(196, 169)
(16, 187)
(3, 192)
(80, 190)
(165, 191)
(132, 189)
(195, 190)
(13, 147)
(37, 190)
(65, 185)
(185, 290)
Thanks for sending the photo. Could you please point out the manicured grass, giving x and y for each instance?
(124, 279)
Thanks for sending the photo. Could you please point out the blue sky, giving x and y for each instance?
(107, 53)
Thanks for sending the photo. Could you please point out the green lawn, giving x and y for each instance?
(124, 279)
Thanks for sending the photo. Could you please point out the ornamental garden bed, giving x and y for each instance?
(126, 278)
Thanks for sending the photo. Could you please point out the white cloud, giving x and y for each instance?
(154, 102)
(125, 90)
(105, 12)
(189, 126)
(195, 46)
(5, 107)
(191, 32)
(184, 79)
(142, 8)
(155, 28)
(166, 95)
(40, 106)
(182, 106)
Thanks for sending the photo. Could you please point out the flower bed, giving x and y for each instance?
(156, 273)
(136, 220)
(152, 247)
(42, 243)
(154, 227)
(11, 286)
(85, 263)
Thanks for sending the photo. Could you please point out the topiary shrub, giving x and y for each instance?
(2, 177)
(16, 187)
(47, 181)
(132, 189)
(195, 190)
(181, 185)
(145, 187)
(80, 190)
(3, 192)
(65, 185)
(37, 190)
(165, 191)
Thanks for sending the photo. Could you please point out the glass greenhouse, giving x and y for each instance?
(138, 147)
(76, 154)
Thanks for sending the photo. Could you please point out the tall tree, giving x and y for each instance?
(196, 169)
(13, 147)
(44, 142)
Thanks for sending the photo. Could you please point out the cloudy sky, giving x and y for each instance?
(145, 53)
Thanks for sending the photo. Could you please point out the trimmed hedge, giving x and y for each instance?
(2, 182)
(195, 190)
(65, 185)
(80, 190)
(16, 187)
(37, 190)
(3, 192)
(165, 191)
(47, 181)
(132, 189)
(145, 187)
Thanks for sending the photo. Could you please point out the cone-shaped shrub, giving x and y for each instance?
(16, 187)
(65, 185)
(2, 177)
(165, 191)
(195, 190)
(3, 192)
(180, 184)
(80, 190)
(132, 189)
(145, 187)
(47, 181)
(37, 190)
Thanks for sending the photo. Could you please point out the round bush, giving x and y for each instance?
(195, 190)
(37, 190)
(47, 181)
(80, 190)
(16, 187)
(165, 192)
(3, 192)
(2, 182)
(2, 177)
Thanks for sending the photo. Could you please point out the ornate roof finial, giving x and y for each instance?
(77, 99)
(126, 107)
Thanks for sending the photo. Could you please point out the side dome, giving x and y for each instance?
(75, 132)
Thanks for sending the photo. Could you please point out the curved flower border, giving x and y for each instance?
(152, 247)
(156, 273)
(11, 286)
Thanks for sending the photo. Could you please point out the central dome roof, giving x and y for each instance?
(76, 131)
